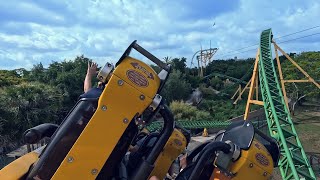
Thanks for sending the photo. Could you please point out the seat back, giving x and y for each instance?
(63, 139)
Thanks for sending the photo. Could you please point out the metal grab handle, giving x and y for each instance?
(208, 151)
(145, 53)
(147, 164)
(148, 55)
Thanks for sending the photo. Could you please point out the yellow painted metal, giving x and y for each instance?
(244, 89)
(256, 102)
(205, 132)
(18, 168)
(297, 65)
(252, 85)
(257, 90)
(173, 148)
(218, 175)
(237, 92)
(120, 101)
(255, 163)
(283, 87)
(132, 64)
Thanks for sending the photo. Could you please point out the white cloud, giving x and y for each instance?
(56, 30)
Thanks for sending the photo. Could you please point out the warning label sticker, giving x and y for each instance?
(137, 78)
(262, 159)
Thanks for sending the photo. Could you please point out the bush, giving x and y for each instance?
(176, 87)
(26, 105)
(183, 111)
(222, 110)
(216, 83)
(209, 93)
(195, 81)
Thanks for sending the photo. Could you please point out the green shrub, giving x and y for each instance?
(183, 111)
(27, 105)
(176, 88)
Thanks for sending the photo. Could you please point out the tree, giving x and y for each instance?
(176, 87)
(232, 68)
(222, 109)
(37, 73)
(179, 64)
(310, 62)
(8, 78)
(183, 111)
(26, 105)
(167, 59)
(216, 83)
(195, 81)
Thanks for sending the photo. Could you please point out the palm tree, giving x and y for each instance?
(167, 59)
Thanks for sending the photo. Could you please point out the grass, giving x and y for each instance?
(308, 125)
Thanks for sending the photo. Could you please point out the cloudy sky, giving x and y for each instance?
(34, 31)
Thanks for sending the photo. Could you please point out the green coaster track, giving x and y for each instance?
(199, 124)
(191, 124)
(293, 162)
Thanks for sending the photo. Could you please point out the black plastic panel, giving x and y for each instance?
(240, 133)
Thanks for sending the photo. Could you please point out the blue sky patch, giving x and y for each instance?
(41, 31)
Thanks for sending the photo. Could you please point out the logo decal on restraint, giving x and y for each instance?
(146, 72)
(177, 142)
(137, 78)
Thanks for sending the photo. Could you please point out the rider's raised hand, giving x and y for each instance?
(92, 68)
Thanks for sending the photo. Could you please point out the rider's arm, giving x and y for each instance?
(87, 83)
(91, 71)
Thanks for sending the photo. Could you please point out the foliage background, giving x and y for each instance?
(46, 94)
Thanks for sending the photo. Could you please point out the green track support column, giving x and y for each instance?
(293, 162)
